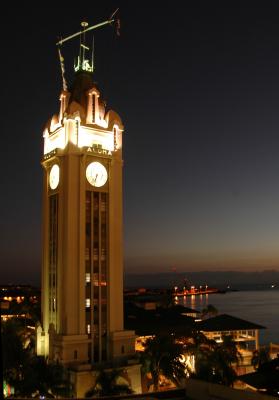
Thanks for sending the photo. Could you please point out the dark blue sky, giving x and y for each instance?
(197, 87)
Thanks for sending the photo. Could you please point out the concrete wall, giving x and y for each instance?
(197, 390)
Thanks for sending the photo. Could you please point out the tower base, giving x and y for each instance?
(69, 350)
(122, 344)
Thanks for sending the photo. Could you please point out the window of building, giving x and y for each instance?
(114, 138)
(87, 303)
(53, 251)
(87, 277)
(77, 126)
(87, 253)
(93, 107)
(88, 329)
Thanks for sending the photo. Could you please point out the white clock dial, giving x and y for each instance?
(96, 174)
(54, 176)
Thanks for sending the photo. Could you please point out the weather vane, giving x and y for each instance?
(83, 64)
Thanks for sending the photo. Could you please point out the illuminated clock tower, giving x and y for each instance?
(82, 267)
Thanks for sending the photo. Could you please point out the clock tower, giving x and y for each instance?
(82, 260)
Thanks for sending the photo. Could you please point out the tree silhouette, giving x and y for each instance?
(27, 373)
(107, 384)
(260, 357)
(209, 311)
(214, 362)
(161, 356)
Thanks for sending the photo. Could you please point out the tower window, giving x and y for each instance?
(77, 126)
(93, 107)
(114, 139)
(87, 303)
(87, 277)
(88, 329)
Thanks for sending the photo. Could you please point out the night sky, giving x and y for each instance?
(197, 86)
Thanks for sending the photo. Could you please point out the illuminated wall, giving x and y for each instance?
(82, 273)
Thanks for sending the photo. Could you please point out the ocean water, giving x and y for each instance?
(260, 307)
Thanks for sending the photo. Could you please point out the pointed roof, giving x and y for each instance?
(83, 81)
(225, 322)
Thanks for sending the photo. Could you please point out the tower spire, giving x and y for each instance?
(83, 64)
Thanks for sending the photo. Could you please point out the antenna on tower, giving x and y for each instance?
(83, 64)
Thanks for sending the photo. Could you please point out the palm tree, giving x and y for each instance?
(214, 362)
(29, 374)
(107, 384)
(51, 378)
(161, 356)
(226, 356)
(260, 357)
(230, 350)
(14, 354)
(201, 348)
(209, 311)
(42, 378)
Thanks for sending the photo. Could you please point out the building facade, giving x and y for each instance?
(82, 261)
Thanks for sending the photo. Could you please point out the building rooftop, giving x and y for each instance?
(159, 321)
(225, 322)
(189, 310)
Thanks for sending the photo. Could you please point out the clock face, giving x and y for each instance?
(54, 177)
(96, 174)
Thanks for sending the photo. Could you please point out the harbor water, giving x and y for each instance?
(260, 307)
